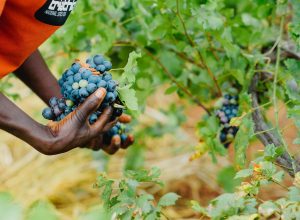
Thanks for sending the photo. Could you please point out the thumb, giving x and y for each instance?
(91, 104)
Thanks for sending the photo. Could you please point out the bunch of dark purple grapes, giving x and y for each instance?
(79, 82)
(228, 109)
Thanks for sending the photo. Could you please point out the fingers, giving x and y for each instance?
(98, 126)
(91, 104)
(109, 125)
(129, 141)
(124, 118)
(114, 145)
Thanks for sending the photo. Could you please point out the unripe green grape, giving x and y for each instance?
(83, 83)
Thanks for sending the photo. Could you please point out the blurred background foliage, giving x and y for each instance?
(192, 51)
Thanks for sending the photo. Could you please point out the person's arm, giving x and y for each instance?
(35, 73)
(58, 137)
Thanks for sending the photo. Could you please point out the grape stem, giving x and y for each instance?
(173, 79)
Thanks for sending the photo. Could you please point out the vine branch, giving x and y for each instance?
(173, 79)
(286, 161)
(192, 43)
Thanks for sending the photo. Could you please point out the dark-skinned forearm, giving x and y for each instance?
(35, 73)
(18, 123)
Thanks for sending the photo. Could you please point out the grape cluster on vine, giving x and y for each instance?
(78, 83)
(228, 109)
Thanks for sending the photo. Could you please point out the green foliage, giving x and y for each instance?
(12, 210)
(122, 198)
(208, 131)
(226, 179)
(9, 209)
(126, 92)
(6, 85)
(41, 210)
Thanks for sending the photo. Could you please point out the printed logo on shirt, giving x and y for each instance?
(55, 12)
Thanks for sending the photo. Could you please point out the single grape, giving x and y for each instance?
(102, 84)
(83, 83)
(70, 80)
(114, 130)
(233, 101)
(224, 119)
(62, 106)
(93, 79)
(77, 77)
(86, 74)
(223, 137)
(53, 101)
(75, 67)
(110, 97)
(91, 88)
(118, 125)
(111, 86)
(227, 112)
(101, 68)
(69, 88)
(107, 77)
(117, 112)
(75, 85)
(98, 59)
(107, 65)
(93, 118)
(75, 94)
(69, 73)
(48, 114)
(69, 103)
(83, 93)
(123, 138)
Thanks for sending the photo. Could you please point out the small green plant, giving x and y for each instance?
(122, 199)
(245, 203)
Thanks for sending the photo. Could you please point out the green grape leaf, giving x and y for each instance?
(168, 199)
(267, 209)
(294, 194)
(243, 173)
(293, 67)
(242, 140)
(128, 96)
(144, 203)
(271, 152)
(130, 69)
(226, 179)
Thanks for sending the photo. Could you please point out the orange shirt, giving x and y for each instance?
(25, 25)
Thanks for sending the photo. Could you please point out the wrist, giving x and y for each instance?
(44, 140)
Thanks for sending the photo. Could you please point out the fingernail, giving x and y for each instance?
(117, 139)
(100, 93)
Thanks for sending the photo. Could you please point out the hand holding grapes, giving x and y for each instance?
(114, 143)
(78, 84)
